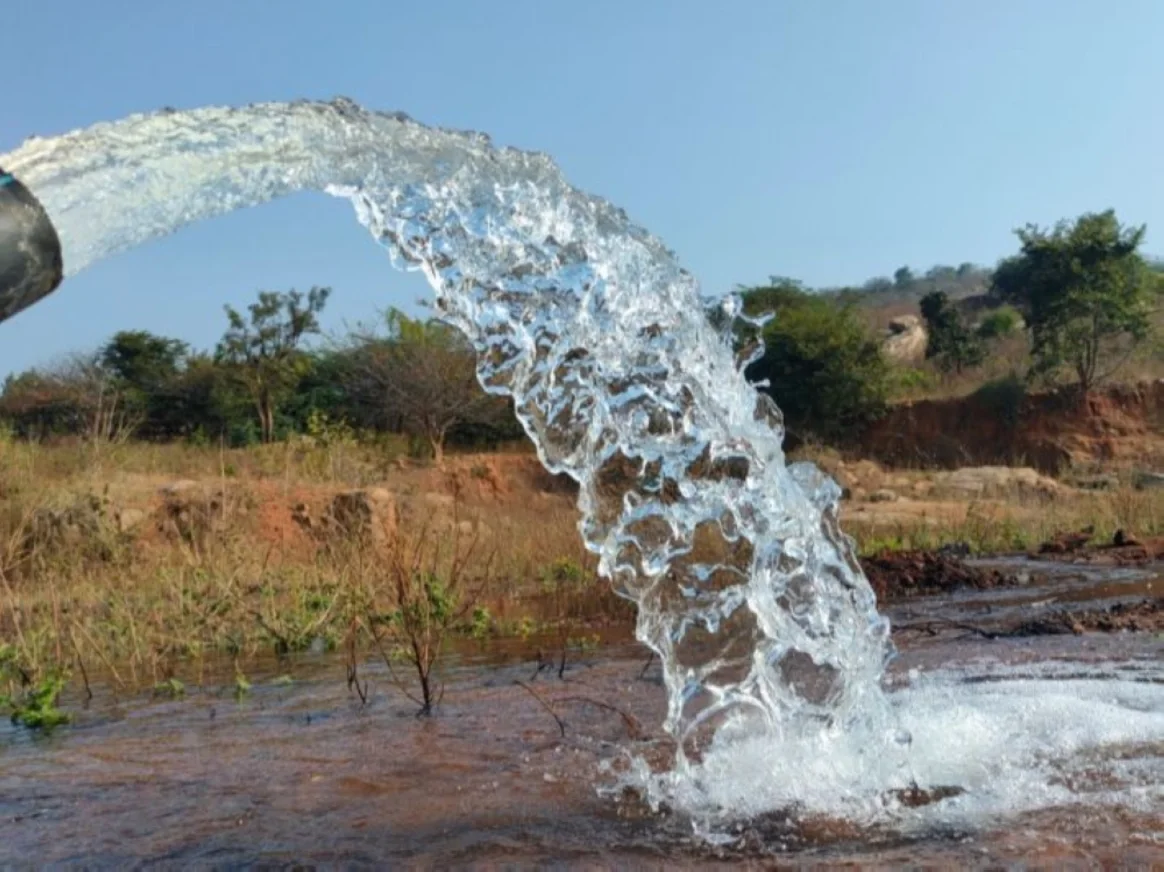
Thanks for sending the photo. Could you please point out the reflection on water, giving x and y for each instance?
(303, 772)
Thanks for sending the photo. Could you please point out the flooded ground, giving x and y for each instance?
(303, 771)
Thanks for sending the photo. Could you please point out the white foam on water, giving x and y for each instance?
(1013, 739)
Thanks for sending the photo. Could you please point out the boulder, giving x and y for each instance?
(129, 519)
(192, 511)
(907, 340)
(370, 513)
(982, 482)
(1148, 480)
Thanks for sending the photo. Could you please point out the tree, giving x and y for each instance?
(823, 365)
(877, 285)
(265, 352)
(903, 277)
(77, 395)
(144, 367)
(951, 344)
(1086, 293)
(141, 359)
(424, 373)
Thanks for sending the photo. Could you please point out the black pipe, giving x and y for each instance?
(30, 250)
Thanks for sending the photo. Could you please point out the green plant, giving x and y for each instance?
(481, 624)
(1001, 322)
(821, 363)
(242, 685)
(263, 351)
(1087, 294)
(35, 706)
(951, 345)
(430, 590)
(171, 687)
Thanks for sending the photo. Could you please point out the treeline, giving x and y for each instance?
(263, 382)
(1082, 291)
(956, 282)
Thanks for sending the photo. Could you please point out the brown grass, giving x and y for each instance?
(219, 568)
(241, 579)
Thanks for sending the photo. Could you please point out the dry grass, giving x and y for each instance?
(221, 570)
(234, 577)
(1018, 524)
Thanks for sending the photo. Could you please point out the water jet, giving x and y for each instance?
(773, 651)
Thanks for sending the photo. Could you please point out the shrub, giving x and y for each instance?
(821, 362)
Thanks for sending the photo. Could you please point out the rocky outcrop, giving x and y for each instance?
(366, 516)
(907, 340)
(986, 482)
(193, 512)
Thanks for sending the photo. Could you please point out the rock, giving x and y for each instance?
(978, 482)
(1148, 480)
(129, 519)
(866, 473)
(904, 324)
(960, 550)
(192, 511)
(82, 527)
(883, 495)
(907, 340)
(896, 575)
(438, 502)
(1146, 616)
(184, 485)
(370, 513)
(1096, 482)
(1068, 543)
(921, 489)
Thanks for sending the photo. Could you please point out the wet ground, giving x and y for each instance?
(305, 772)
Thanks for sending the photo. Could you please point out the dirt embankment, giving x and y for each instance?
(1122, 426)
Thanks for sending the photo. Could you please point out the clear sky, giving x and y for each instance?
(830, 140)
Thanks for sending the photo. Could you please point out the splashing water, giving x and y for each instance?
(772, 648)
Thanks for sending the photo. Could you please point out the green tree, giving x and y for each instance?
(422, 377)
(264, 351)
(903, 277)
(1086, 293)
(144, 367)
(951, 344)
(823, 365)
(142, 360)
(1001, 322)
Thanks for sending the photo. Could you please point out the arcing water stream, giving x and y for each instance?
(772, 648)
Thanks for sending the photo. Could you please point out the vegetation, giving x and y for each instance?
(276, 416)
(1077, 299)
(1087, 293)
(264, 383)
(821, 363)
(951, 344)
(263, 353)
(424, 374)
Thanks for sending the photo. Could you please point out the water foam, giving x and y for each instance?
(772, 648)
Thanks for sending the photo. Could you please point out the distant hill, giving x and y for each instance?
(907, 286)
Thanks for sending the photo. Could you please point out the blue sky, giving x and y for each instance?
(830, 140)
